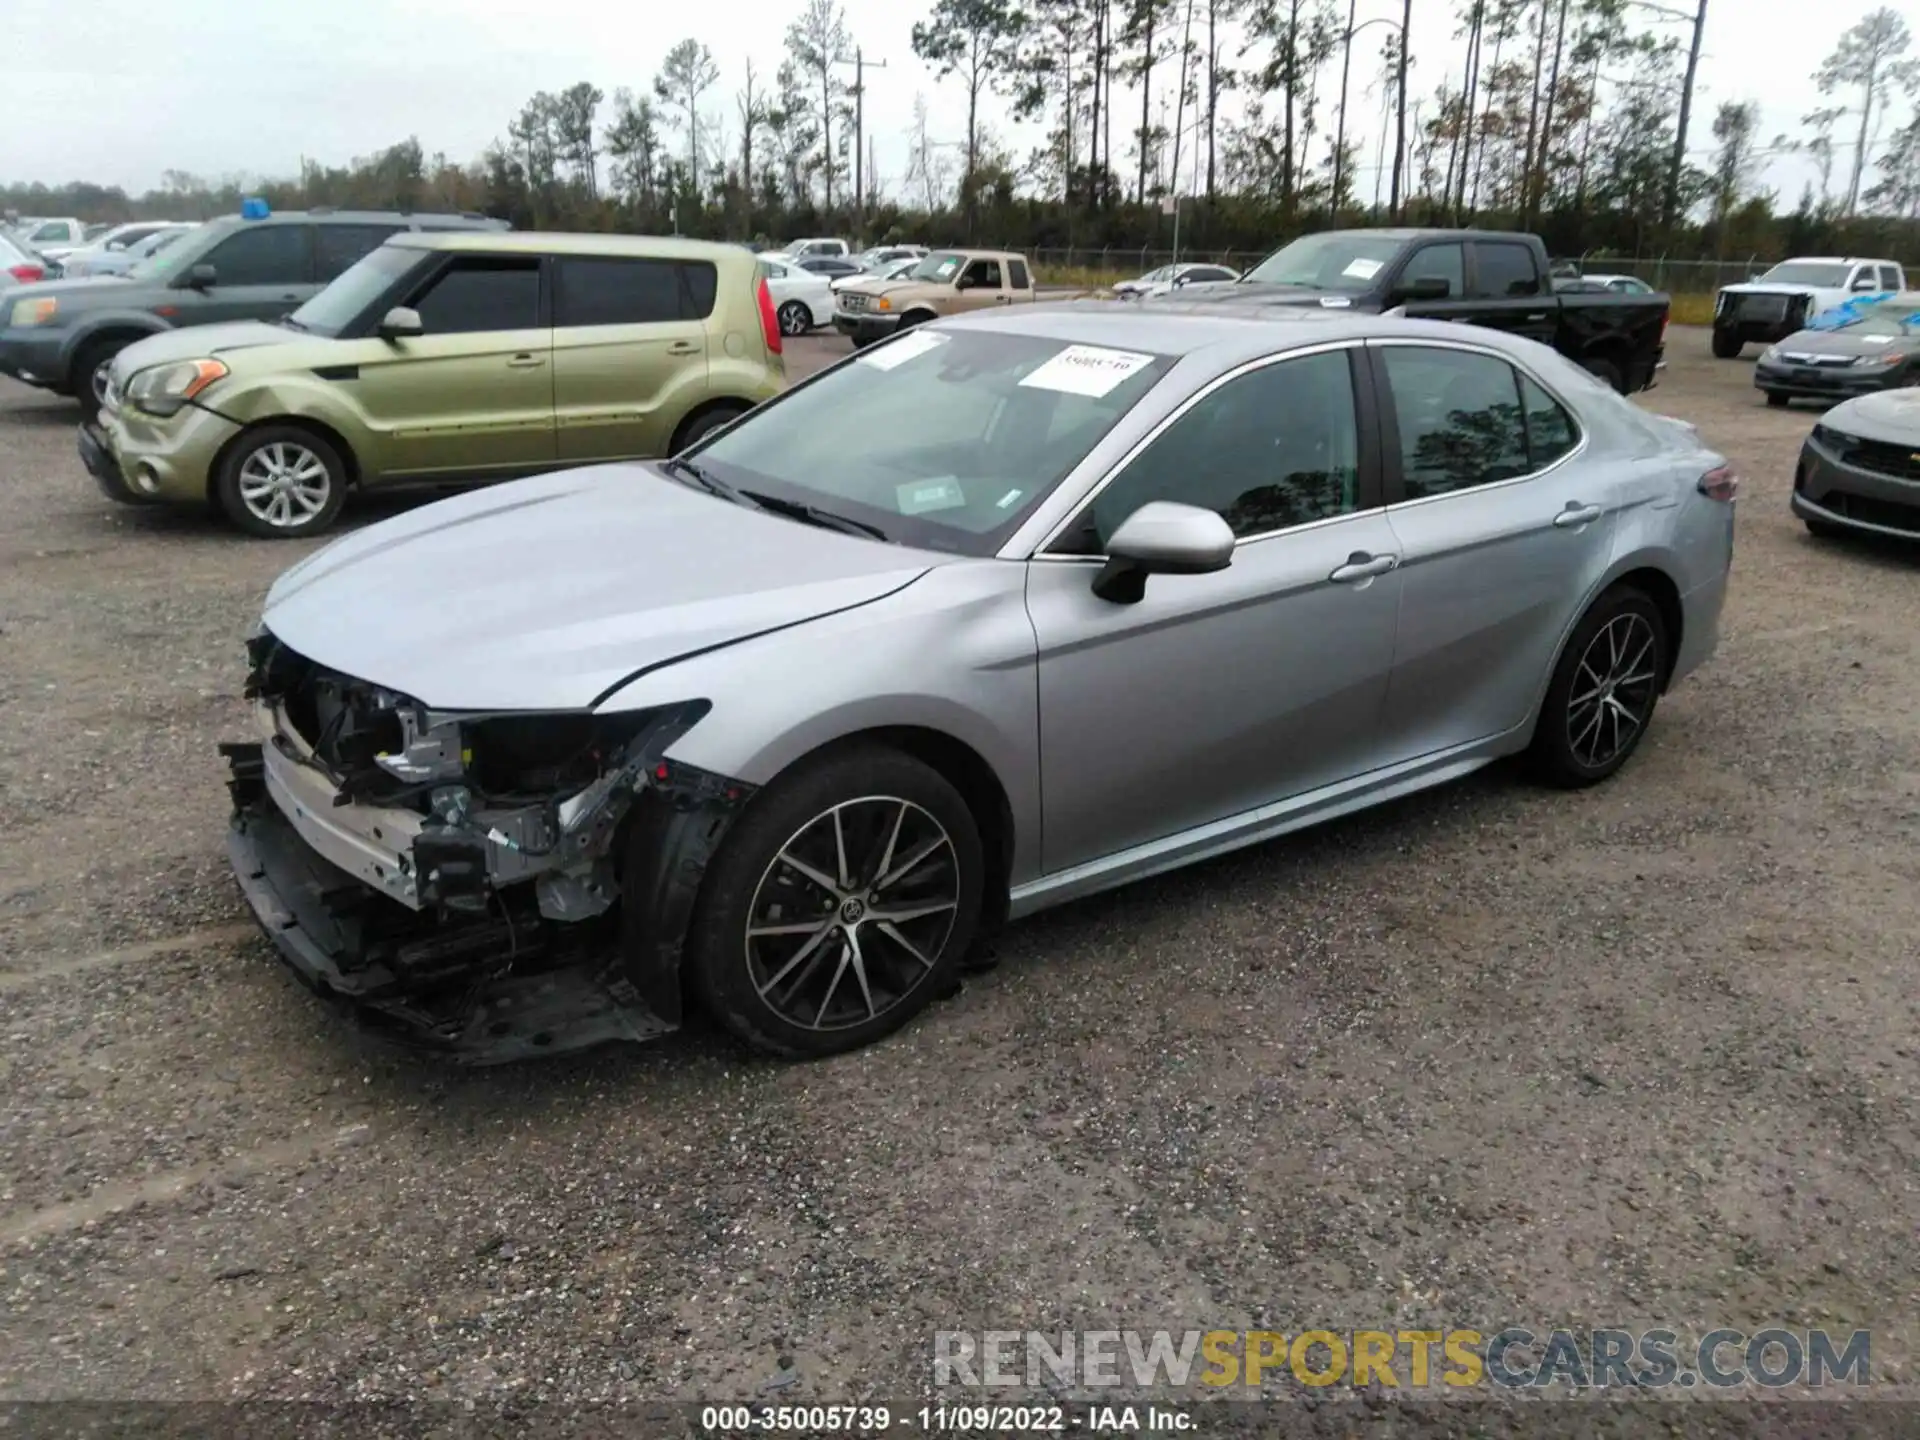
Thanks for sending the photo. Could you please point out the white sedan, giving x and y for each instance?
(1171, 277)
(899, 270)
(802, 300)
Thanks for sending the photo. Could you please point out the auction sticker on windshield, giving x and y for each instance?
(888, 357)
(1086, 370)
(1362, 269)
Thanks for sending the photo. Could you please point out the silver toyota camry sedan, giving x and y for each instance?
(1002, 612)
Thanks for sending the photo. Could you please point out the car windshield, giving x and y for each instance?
(1896, 318)
(1801, 272)
(1333, 260)
(154, 244)
(942, 265)
(960, 433)
(348, 295)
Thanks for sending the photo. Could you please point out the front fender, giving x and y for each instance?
(953, 653)
(134, 324)
(296, 396)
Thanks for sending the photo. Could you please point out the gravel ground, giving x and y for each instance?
(1638, 1056)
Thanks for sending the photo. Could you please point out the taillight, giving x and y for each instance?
(1720, 484)
(27, 274)
(769, 322)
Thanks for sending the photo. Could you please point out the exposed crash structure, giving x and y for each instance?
(461, 874)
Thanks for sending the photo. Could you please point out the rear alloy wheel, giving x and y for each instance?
(282, 482)
(1603, 692)
(795, 318)
(701, 426)
(840, 905)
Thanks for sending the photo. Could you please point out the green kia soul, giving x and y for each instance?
(438, 359)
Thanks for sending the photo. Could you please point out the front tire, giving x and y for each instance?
(1603, 692)
(1824, 529)
(282, 482)
(840, 905)
(1778, 399)
(1726, 346)
(90, 376)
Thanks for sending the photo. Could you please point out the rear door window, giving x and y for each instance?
(1017, 275)
(1889, 277)
(594, 290)
(336, 247)
(1459, 419)
(1505, 270)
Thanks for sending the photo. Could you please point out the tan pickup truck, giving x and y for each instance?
(947, 282)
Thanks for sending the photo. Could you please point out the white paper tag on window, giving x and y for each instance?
(917, 497)
(1362, 269)
(898, 352)
(1086, 370)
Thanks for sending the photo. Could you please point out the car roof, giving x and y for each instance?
(972, 254)
(560, 242)
(1835, 260)
(1229, 332)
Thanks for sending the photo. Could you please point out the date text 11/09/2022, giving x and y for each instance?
(943, 1419)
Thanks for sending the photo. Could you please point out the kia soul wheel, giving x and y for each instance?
(840, 906)
(282, 482)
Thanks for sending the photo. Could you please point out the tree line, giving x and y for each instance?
(1266, 117)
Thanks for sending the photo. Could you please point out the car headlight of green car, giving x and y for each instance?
(163, 390)
(25, 314)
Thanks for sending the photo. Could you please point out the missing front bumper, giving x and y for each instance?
(483, 993)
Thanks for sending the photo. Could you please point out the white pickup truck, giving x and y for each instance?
(1781, 301)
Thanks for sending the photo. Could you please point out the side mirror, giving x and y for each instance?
(1162, 538)
(202, 277)
(399, 321)
(1427, 287)
(1865, 283)
(963, 283)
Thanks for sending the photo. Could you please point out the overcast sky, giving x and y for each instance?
(117, 91)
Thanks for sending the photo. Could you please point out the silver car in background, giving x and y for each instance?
(1001, 612)
(117, 256)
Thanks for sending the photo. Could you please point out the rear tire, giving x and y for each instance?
(795, 319)
(1778, 399)
(1726, 346)
(282, 482)
(788, 957)
(704, 424)
(1603, 692)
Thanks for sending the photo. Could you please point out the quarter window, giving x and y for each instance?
(1551, 432)
(1459, 419)
(1889, 278)
(482, 293)
(1273, 449)
(264, 255)
(1506, 270)
(1443, 261)
(1017, 275)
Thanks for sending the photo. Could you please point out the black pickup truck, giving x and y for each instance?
(1495, 278)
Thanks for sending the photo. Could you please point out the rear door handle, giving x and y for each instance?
(1362, 566)
(1576, 515)
(1541, 316)
(526, 362)
(683, 347)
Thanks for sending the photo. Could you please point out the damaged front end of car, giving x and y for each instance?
(490, 885)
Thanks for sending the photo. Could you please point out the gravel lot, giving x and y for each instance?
(1639, 1056)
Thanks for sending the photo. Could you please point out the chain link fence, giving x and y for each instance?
(1676, 277)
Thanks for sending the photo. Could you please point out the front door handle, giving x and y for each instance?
(1362, 566)
(1534, 319)
(526, 362)
(1576, 515)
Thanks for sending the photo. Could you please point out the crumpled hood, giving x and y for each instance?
(1891, 416)
(546, 594)
(198, 341)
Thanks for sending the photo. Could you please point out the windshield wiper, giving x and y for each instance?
(814, 515)
(291, 323)
(708, 481)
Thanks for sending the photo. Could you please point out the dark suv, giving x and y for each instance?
(60, 335)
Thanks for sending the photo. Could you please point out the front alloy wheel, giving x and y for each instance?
(282, 482)
(840, 905)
